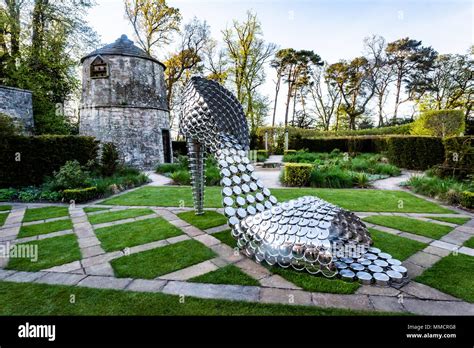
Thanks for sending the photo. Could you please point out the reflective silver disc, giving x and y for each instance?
(385, 256)
(395, 276)
(364, 277)
(381, 263)
(381, 278)
(375, 269)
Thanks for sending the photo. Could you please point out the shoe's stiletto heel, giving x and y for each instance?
(196, 166)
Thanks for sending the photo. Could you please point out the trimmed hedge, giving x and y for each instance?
(344, 144)
(439, 123)
(417, 153)
(297, 174)
(459, 157)
(80, 195)
(25, 161)
(467, 199)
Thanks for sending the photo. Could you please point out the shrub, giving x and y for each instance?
(297, 174)
(360, 179)
(8, 194)
(439, 123)
(109, 161)
(467, 199)
(71, 175)
(168, 168)
(181, 177)
(26, 161)
(80, 195)
(415, 152)
(8, 126)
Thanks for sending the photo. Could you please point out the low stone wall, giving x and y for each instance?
(18, 104)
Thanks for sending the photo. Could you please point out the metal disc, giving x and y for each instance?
(400, 269)
(381, 279)
(227, 191)
(375, 269)
(228, 201)
(374, 250)
(347, 274)
(364, 277)
(381, 263)
(229, 211)
(370, 257)
(385, 256)
(237, 190)
(356, 267)
(394, 262)
(395, 276)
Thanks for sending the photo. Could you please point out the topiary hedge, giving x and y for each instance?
(417, 153)
(344, 144)
(80, 195)
(26, 160)
(297, 174)
(459, 157)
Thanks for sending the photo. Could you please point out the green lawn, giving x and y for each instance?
(203, 222)
(135, 233)
(400, 248)
(44, 228)
(50, 252)
(226, 238)
(469, 243)
(318, 283)
(118, 215)
(41, 299)
(3, 218)
(35, 214)
(94, 209)
(401, 223)
(153, 263)
(453, 220)
(453, 274)
(229, 274)
(5, 207)
(352, 199)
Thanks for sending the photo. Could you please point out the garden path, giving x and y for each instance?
(158, 179)
(94, 269)
(393, 183)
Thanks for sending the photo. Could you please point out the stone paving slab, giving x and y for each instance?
(4, 273)
(253, 269)
(426, 292)
(92, 251)
(216, 229)
(207, 240)
(360, 302)
(95, 260)
(190, 272)
(25, 277)
(276, 281)
(179, 223)
(146, 285)
(377, 290)
(102, 269)
(192, 231)
(227, 253)
(105, 282)
(416, 237)
(467, 228)
(386, 303)
(294, 297)
(37, 222)
(88, 242)
(466, 251)
(456, 237)
(148, 246)
(413, 269)
(68, 267)
(215, 291)
(436, 251)
(428, 307)
(61, 278)
(423, 259)
(445, 245)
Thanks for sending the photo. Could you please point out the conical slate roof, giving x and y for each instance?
(123, 46)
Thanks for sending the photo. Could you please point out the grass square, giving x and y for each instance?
(226, 238)
(400, 248)
(153, 263)
(207, 220)
(44, 228)
(469, 243)
(5, 207)
(401, 223)
(453, 275)
(35, 214)
(118, 215)
(3, 218)
(229, 274)
(50, 252)
(453, 220)
(135, 233)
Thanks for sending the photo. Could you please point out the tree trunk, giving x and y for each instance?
(397, 96)
(381, 110)
(277, 90)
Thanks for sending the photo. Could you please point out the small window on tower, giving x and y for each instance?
(99, 68)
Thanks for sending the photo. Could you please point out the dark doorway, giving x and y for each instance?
(165, 135)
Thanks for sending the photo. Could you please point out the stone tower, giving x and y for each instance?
(124, 102)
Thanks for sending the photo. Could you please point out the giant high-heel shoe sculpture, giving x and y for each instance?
(305, 233)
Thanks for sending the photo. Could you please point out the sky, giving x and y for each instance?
(334, 29)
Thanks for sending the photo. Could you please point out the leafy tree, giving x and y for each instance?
(411, 63)
(153, 21)
(247, 53)
(451, 84)
(355, 82)
(8, 126)
(440, 123)
(216, 62)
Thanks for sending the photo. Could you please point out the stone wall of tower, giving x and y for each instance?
(127, 108)
(17, 103)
